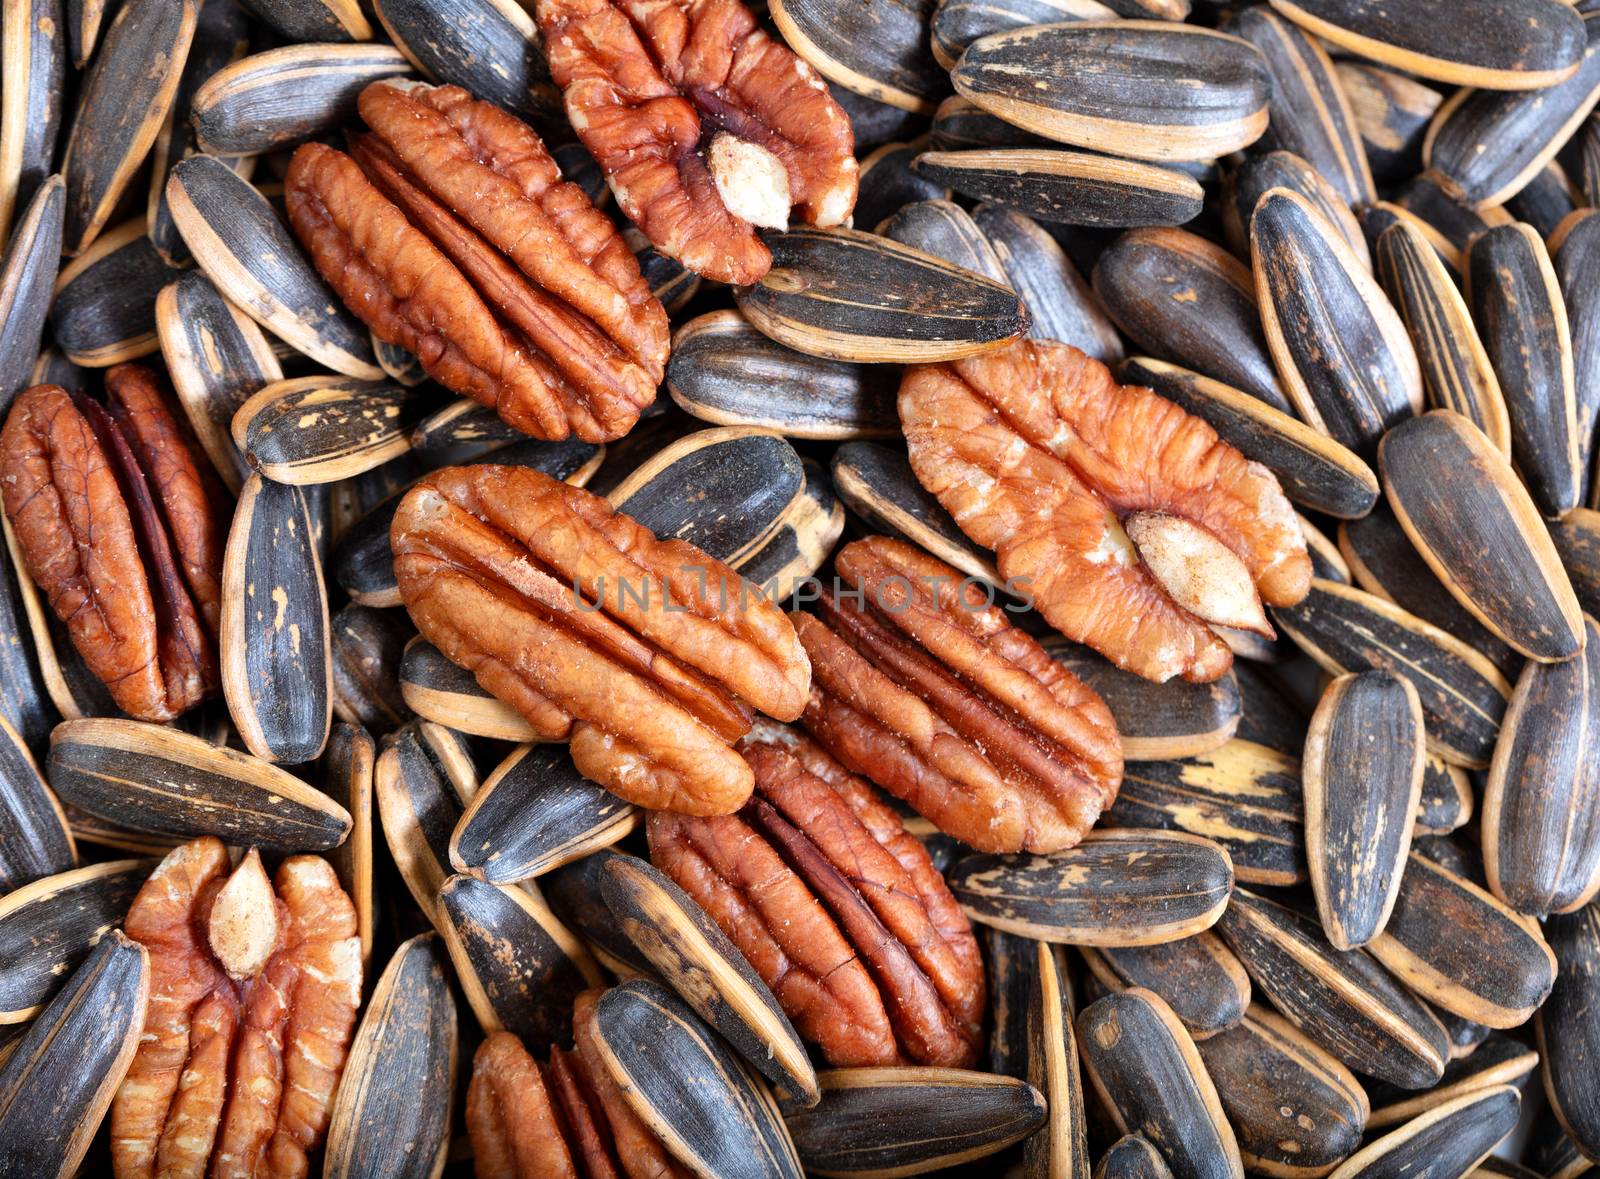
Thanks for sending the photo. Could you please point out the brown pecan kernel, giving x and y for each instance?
(649, 653)
(567, 1120)
(253, 995)
(122, 527)
(453, 235)
(837, 907)
(704, 125)
(1040, 455)
(921, 684)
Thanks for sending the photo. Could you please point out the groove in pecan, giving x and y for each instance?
(560, 606)
(698, 119)
(121, 525)
(1040, 455)
(924, 687)
(236, 1076)
(567, 1120)
(837, 907)
(453, 235)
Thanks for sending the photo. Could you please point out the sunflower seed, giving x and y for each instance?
(534, 813)
(1122, 87)
(321, 429)
(1577, 539)
(1295, 1110)
(574, 892)
(518, 966)
(846, 295)
(1447, 799)
(237, 239)
(103, 312)
(1259, 175)
(158, 780)
(1342, 999)
(1445, 1143)
(490, 47)
(1132, 1157)
(806, 534)
(1150, 1075)
(876, 1122)
(1520, 45)
(423, 779)
(1577, 257)
(34, 49)
(314, 20)
(1547, 200)
(1315, 471)
(1116, 888)
(945, 230)
(1061, 303)
(878, 51)
(276, 99)
(1362, 775)
(1431, 200)
(1489, 144)
(726, 372)
(27, 276)
(1526, 599)
(345, 774)
(1569, 1034)
(367, 646)
(958, 23)
(689, 1088)
(34, 839)
(1188, 301)
(961, 123)
(1200, 978)
(1500, 1060)
(1463, 695)
(1391, 110)
(1541, 805)
(58, 1081)
(1074, 188)
(391, 1111)
(437, 690)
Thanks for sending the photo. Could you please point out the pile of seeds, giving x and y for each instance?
(1155, 729)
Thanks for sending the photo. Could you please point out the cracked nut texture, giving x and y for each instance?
(564, 1120)
(921, 684)
(1041, 456)
(122, 527)
(648, 653)
(704, 125)
(449, 231)
(235, 1075)
(837, 907)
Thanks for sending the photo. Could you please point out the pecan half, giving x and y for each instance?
(1129, 523)
(452, 234)
(648, 653)
(565, 1120)
(923, 685)
(254, 987)
(704, 125)
(837, 907)
(122, 525)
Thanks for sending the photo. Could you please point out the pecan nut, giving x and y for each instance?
(837, 907)
(1131, 525)
(705, 126)
(452, 234)
(649, 654)
(254, 986)
(564, 1120)
(920, 683)
(122, 525)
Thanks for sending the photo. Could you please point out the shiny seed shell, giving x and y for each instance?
(1445, 1143)
(1569, 1037)
(878, 51)
(1074, 188)
(1499, 1060)
(490, 47)
(423, 779)
(104, 308)
(437, 690)
(1200, 978)
(27, 276)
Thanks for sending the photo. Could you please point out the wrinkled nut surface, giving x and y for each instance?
(235, 1074)
(922, 684)
(837, 907)
(122, 526)
(656, 89)
(649, 654)
(564, 1120)
(1040, 455)
(451, 233)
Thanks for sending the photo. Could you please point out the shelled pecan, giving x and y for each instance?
(705, 126)
(837, 907)
(648, 654)
(1127, 521)
(121, 524)
(566, 1119)
(922, 684)
(452, 234)
(254, 986)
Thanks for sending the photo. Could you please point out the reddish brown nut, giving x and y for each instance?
(648, 653)
(254, 987)
(922, 684)
(1130, 524)
(567, 1120)
(452, 234)
(837, 907)
(122, 526)
(705, 126)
